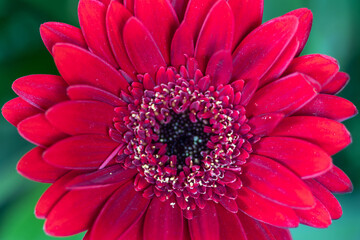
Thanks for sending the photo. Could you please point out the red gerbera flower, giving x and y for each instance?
(183, 120)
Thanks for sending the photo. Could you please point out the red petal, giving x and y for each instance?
(37, 129)
(129, 4)
(216, 33)
(249, 90)
(336, 84)
(328, 134)
(302, 157)
(162, 15)
(247, 15)
(263, 125)
(74, 212)
(79, 117)
(318, 216)
(124, 209)
(166, 215)
(32, 166)
(326, 198)
(141, 48)
(281, 63)
(205, 223)
(16, 110)
(103, 177)
(41, 91)
(219, 68)
(262, 47)
(336, 181)
(116, 17)
(305, 17)
(264, 210)
(55, 32)
(78, 66)
(230, 225)
(285, 95)
(135, 232)
(329, 106)
(179, 7)
(80, 152)
(52, 195)
(92, 17)
(85, 92)
(276, 183)
(256, 230)
(320, 67)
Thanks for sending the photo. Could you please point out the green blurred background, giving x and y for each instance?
(336, 32)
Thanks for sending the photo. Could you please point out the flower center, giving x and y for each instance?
(185, 139)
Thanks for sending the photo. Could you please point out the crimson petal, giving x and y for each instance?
(230, 225)
(78, 66)
(276, 183)
(329, 106)
(32, 166)
(83, 116)
(16, 110)
(92, 17)
(265, 210)
(336, 181)
(302, 157)
(124, 209)
(55, 32)
(80, 152)
(259, 50)
(330, 135)
(263, 125)
(219, 68)
(179, 7)
(141, 48)
(37, 129)
(74, 212)
(166, 215)
(205, 223)
(318, 216)
(285, 95)
(336, 84)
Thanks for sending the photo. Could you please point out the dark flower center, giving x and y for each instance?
(185, 139)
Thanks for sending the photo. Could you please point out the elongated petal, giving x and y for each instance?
(92, 19)
(179, 7)
(55, 32)
(41, 91)
(38, 130)
(205, 223)
(124, 209)
(163, 214)
(336, 181)
(32, 166)
(247, 15)
(107, 176)
(318, 216)
(16, 110)
(259, 50)
(330, 135)
(80, 152)
(85, 92)
(216, 33)
(326, 198)
(141, 48)
(264, 210)
(322, 68)
(329, 106)
(78, 66)
(230, 225)
(79, 117)
(116, 17)
(74, 213)
(219, 68)
(285, 95)
(305, 17)
(302, 157)
(277, 183)
(263, 125)
(162, 15)
(52, 195)
(336, 84)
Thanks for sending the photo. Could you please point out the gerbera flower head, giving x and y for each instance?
(183, 120)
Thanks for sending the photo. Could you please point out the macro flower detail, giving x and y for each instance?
(183, 120)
